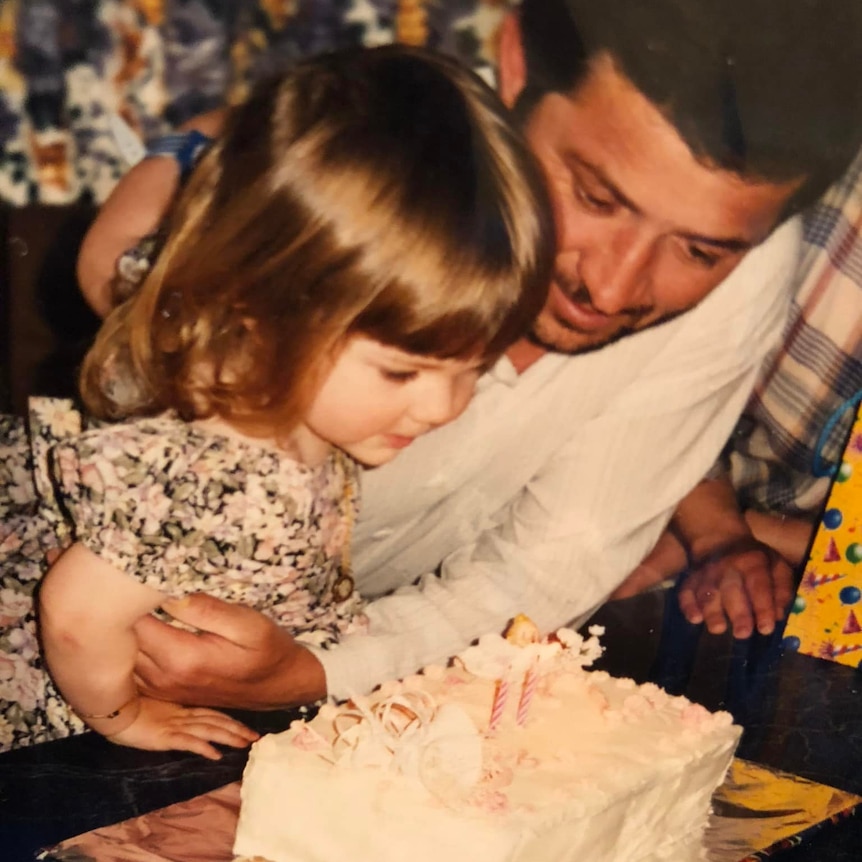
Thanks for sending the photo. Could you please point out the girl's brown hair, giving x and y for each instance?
(381, 192)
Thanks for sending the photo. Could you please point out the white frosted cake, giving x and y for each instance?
(514, 753)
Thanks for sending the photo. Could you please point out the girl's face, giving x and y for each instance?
(377, 399)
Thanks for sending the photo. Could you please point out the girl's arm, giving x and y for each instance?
(87, 610)
(134, 209)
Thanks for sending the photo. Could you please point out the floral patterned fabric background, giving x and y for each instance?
(67, 67)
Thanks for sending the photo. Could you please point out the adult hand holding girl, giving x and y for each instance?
(238, 658)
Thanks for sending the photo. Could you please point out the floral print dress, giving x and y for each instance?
(177, 506)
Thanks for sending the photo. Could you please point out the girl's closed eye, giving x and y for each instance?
(399, 375)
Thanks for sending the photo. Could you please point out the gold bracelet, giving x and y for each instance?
(113, 714)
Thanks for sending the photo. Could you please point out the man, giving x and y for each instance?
(662, 139)
(775, 472)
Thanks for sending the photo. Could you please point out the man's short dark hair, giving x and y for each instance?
(769, 89)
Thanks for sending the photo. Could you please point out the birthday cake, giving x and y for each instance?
(516, 752)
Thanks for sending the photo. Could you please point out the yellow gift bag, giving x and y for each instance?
(826, 617)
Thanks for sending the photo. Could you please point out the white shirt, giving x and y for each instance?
(553, 484)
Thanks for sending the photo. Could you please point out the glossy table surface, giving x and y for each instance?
(800, 714)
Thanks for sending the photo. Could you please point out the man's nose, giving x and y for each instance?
(618, 272)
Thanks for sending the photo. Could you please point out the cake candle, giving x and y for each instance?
(501, 695)
(528, 689)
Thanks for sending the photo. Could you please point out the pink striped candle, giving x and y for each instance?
(501, 695)
(528, 689)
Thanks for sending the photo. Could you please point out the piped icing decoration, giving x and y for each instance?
(406, 732)
(491, 658)
(579, 650)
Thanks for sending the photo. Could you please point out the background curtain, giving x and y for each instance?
(68, 67)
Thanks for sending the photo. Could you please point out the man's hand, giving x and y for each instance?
(238, 659)
(744, 582)
(735, 574)
(666, 560)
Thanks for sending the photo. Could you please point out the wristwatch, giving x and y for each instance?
(185, 147)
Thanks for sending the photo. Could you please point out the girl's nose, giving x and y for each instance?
(440, 402)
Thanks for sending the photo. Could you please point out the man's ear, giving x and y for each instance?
(512, 64)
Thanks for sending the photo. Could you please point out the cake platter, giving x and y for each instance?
(757, 813)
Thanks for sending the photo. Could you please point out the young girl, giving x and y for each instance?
(366, 237)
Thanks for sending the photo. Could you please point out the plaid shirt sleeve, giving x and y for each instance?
(807, 383)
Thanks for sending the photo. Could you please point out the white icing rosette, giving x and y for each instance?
(493, 657)
(578, 650)
(408, 733)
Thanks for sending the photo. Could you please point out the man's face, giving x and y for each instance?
(644, 230)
